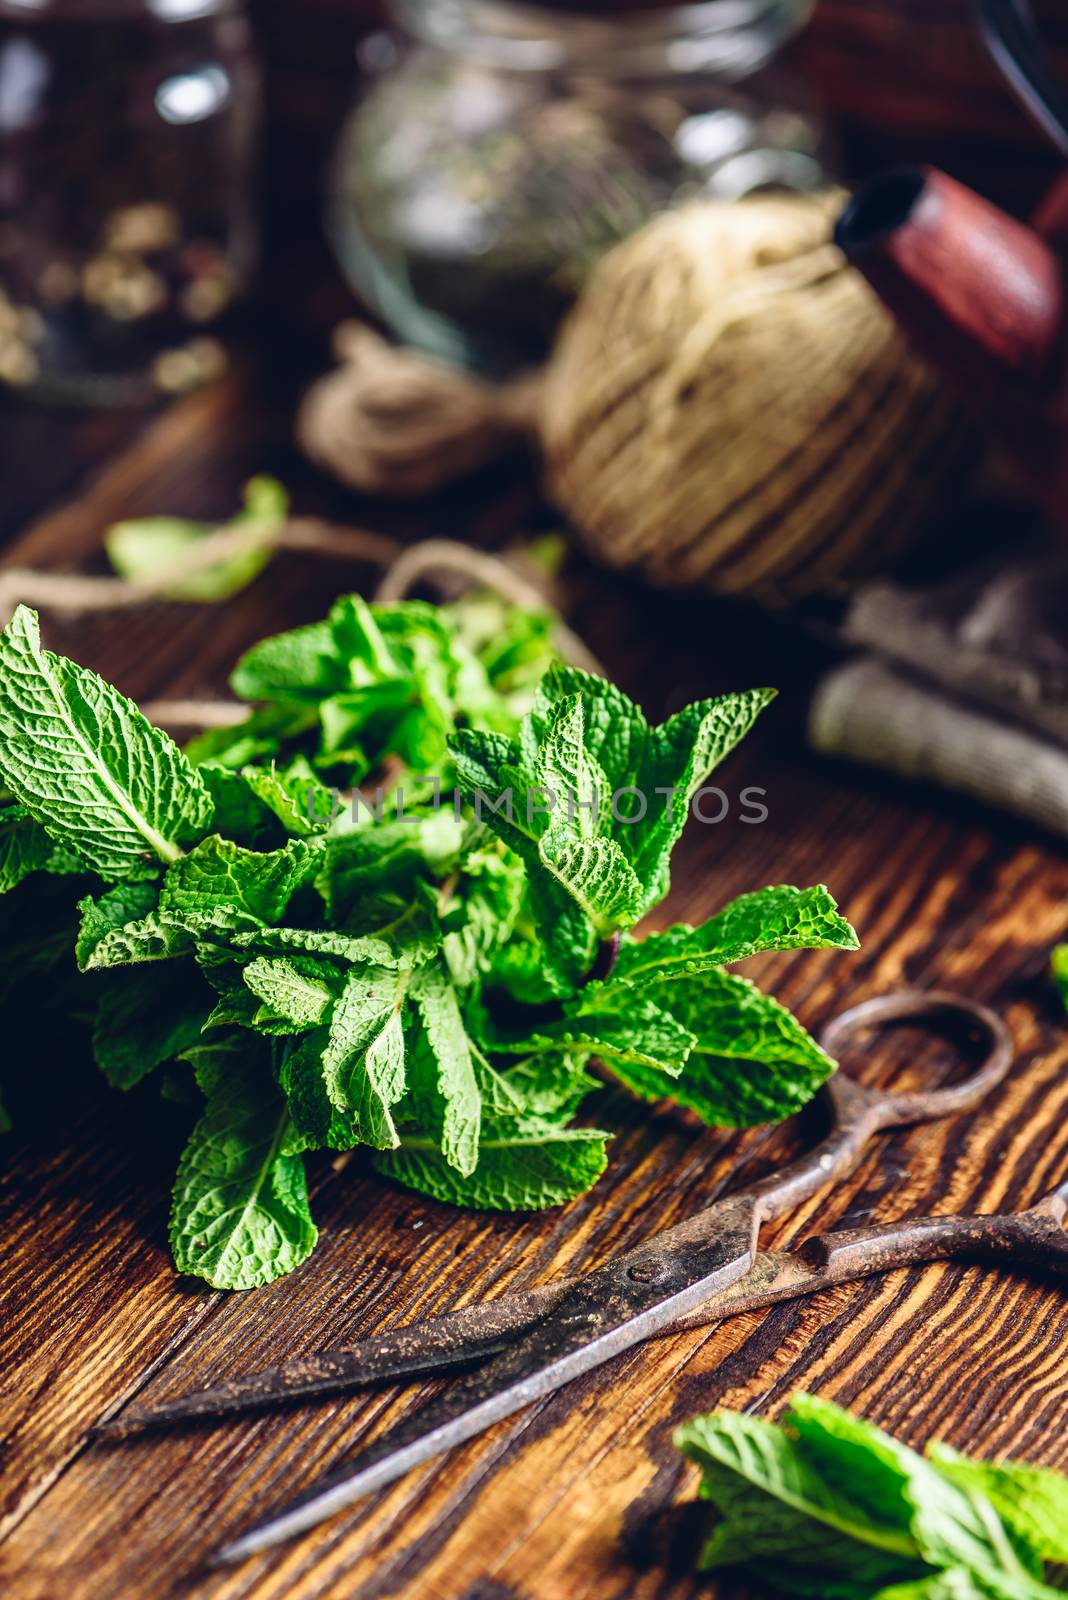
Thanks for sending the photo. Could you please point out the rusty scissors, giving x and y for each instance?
(527, 1344)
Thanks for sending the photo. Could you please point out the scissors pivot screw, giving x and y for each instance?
(646, 1272)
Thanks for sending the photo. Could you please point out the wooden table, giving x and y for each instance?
(582, 1495)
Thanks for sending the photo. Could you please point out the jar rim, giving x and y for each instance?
(730, 38)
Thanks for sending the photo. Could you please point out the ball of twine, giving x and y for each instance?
(728, 405)
(731, 405)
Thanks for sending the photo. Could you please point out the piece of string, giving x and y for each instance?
(393, 421)
(405, 568)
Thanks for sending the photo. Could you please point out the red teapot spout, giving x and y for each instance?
(984, 298)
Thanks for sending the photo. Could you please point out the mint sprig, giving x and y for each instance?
(827, 1504)
(314, 917)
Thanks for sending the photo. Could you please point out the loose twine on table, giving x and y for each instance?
(405, 568)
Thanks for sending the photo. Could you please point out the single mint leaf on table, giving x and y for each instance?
(950, 1525)
(88, 767)
(826, 1504)
(147, 546)
(239, 1217)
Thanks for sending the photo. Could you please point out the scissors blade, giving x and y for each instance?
(606, 1313)
(419, 1349)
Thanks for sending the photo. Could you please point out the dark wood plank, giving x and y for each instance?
(574, 1497)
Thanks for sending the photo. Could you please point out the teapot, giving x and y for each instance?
(982, 296)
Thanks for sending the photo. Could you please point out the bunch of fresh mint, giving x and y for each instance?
(828, 1505)
(299, 919)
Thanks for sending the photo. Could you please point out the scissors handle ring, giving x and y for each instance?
(976, 1023)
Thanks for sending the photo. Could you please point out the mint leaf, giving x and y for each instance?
(144, 1019)
(776, 1514)
(828, 1505)
(240, 1217)
(678, 759)
(363, 1060)
(751, 1061)
(299, 989)
(26, 848)
(1031, 1501)
(123, 926)
(1059, 965)
(446, 1040)
(145, 546)
(643, 1036)
(951, 1527)
(220, 875)
(662, 767)
(87, 765)
(299, 666)
(781, 918)
(524, 1169)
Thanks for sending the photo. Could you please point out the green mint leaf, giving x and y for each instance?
(663, 767)
(642, 1035)
(108, 915)
(780, 918)
(300, 989)
(240, 1217)
(259, 738)
(1031, 1501)
(407, 941)
(1059, 966)
(752, 1061)
(145, 546)
(219, 874)
(777, 1515)
(144, 1019)
(951, 1526)
(317, 1123)
(522, 1169)
(446, 1040)
(485, 774)
(87, 765)
(363, 1062)
(680, 757)
(301, 666)
(26, 848)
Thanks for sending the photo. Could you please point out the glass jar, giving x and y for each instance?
(499, 149)
(127, 217)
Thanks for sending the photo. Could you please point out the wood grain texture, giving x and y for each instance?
(583, 1495)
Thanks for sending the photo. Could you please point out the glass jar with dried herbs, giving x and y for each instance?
(127, 218)
(499, 149)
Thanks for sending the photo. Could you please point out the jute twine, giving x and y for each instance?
(727, 405)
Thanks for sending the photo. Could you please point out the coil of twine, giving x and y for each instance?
(728, 405)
